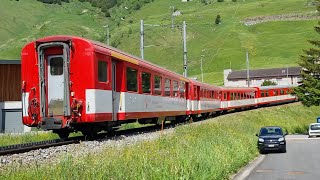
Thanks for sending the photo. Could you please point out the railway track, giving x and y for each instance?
(25, 147)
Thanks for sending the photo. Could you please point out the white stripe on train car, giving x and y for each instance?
(265, 100)
(25, 104)
(132, 102)
(209, 104)
(98, 101)
(242, 102)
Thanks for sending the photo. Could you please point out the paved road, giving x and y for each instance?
(302, 161)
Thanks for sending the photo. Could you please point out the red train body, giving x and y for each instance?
(74, 84)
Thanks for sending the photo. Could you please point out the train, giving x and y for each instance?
(73, 84)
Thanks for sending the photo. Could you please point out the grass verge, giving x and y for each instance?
(212, 149)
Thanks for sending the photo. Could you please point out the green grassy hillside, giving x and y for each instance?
(270, 44)
(26, 20)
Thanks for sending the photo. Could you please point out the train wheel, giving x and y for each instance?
(89, 134)
(62, 133)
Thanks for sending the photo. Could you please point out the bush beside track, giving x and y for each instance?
(212, 149)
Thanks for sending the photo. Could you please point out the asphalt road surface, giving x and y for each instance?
(302, 161)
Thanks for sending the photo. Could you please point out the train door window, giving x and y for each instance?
(146, 85)
(167, 87)
(175, 88)
(102, 71)
(182, 89)
(195, 93)
(56, 66)
(157, 85)
(132, 84)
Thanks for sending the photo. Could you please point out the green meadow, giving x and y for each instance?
(270, 44)
(211, 149)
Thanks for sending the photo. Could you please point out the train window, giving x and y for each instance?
(102, 71)
(175, 88)
(287, 91)
(182, 89)
(225, 95)
(262, 94)
(167, 85)
(146, 85)
(267, 93)
(282, 92)
(157, 85)
(275, 92)
(195, 93)
(132, 84)
(56, 66)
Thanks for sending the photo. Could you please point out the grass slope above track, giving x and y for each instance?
(270, 44)
(212, 149)
(26, 20)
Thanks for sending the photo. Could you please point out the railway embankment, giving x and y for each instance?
(211, 149)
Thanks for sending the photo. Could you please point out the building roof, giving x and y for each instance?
(2, 61)
(265, 73)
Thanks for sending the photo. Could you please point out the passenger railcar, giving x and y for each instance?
(74, 84)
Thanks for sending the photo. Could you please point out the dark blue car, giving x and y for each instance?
(271, 138)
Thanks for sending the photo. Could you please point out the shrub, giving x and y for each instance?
(268, 83)
(218, 19)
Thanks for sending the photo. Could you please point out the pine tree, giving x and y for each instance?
(309, 91)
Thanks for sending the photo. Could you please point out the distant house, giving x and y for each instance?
(10, 97)
(281, 76)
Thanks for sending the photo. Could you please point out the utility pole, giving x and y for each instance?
(141, 39)
(185, 66)
(248, 75)
(201, 68)
(108, 34)
(172, 18)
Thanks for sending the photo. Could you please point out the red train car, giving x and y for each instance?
(71, 83)
(74, 84)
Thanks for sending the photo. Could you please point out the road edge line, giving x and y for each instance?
(245, 171)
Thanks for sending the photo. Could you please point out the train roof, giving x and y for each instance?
(278, 86)
(114, 52)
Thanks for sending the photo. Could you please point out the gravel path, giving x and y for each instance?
(282, 17)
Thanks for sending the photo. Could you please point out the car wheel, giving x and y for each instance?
(262, 152)
(284, 150)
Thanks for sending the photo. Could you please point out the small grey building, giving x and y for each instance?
(281, 76)
(10, 97)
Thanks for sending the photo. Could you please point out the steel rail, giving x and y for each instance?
(25, 147)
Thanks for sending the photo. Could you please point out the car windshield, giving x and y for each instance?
(270, 131)
(315, 126)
